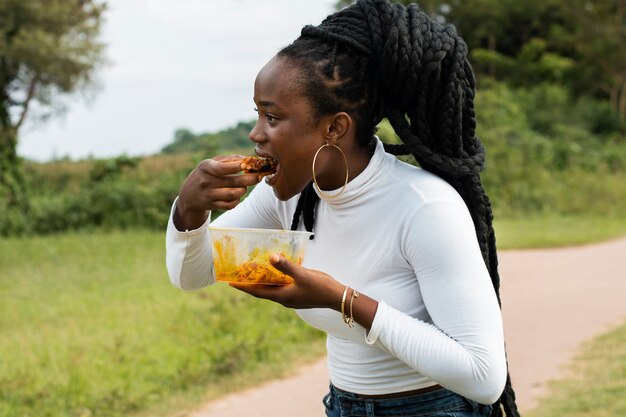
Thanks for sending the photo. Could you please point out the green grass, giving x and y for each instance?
(598, 385)
(91, 326)
(552, 231)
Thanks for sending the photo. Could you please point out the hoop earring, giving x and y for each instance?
(319, 190)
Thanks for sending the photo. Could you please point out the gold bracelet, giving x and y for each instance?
(343, 305)
(355, 294)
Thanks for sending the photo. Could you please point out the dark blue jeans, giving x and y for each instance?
(440, 403)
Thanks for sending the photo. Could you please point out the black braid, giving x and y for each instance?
(306, 207)
(375, 59)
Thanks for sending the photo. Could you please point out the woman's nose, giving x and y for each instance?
(256, 134)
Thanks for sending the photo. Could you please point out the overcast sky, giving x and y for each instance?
(173, 64)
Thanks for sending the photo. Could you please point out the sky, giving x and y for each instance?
(171, 64)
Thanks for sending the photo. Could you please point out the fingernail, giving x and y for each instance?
(274, 258)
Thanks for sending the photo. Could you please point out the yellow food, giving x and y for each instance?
(255, 273)
(256, 270)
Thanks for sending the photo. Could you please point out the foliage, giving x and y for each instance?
(186, 141)
(47, 48)
(211, 143)
(91, 326)
(596, 385)
(116, 193)
(598, 40)
(13, 194)
(546, 155)
(551, 175)
(550, 230)
(533, 63)
(541, 156)
(580, 44)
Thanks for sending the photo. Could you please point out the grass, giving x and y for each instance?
(552, 231)
(90, 325)
(597, 387)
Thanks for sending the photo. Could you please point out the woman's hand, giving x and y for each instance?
(311, 289)
(212, 185)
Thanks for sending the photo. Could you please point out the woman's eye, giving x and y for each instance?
(270, 118)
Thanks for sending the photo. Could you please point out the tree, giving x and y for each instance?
(48, 48)
(227, 140)
(598, 38)
(506, 38)
(580, 44)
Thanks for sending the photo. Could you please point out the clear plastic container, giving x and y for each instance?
(242, 255)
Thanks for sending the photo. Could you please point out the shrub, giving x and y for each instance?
(546, 153)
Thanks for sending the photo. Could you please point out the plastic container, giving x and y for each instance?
(242, 255)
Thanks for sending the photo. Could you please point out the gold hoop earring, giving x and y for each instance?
(319, 190)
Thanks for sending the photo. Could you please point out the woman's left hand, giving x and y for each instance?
(311, 288)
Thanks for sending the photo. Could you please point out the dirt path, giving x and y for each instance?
(552, 301)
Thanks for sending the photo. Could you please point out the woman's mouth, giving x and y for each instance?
(270, 179)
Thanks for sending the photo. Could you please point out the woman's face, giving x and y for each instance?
(286, 128)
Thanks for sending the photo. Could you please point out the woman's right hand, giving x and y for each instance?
(212, 185)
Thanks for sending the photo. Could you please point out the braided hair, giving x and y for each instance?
(374, 60)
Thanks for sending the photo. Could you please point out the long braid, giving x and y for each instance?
(307, 203)
(390, 60)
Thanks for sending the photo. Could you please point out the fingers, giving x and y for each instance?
(222, 173)
(311, 288)
(285, 266)
(228, 194)
(215, 184)
(278, 293)
(221, 166)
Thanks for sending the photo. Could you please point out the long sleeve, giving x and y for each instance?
(188, 255)
(463, 349)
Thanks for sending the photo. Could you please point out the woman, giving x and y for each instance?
(402, 268)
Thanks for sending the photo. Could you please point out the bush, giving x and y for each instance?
(118, 193)
(541, 156)
(546, 153)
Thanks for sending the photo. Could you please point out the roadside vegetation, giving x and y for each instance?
(596, 382)
(90, 325)
(543, 159)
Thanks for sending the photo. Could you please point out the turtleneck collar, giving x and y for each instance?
(377, 167)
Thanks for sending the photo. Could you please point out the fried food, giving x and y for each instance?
(258, 165)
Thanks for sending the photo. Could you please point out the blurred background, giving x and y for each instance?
(106, 107)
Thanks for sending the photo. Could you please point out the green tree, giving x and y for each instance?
(598, 39)
(580, 44)
(48, 48)
(507, 38)
(209, 144)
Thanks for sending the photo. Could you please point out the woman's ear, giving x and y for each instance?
(337, 127)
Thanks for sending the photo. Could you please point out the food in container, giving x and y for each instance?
(242, 255)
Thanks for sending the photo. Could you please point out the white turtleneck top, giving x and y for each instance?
(405, 238)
